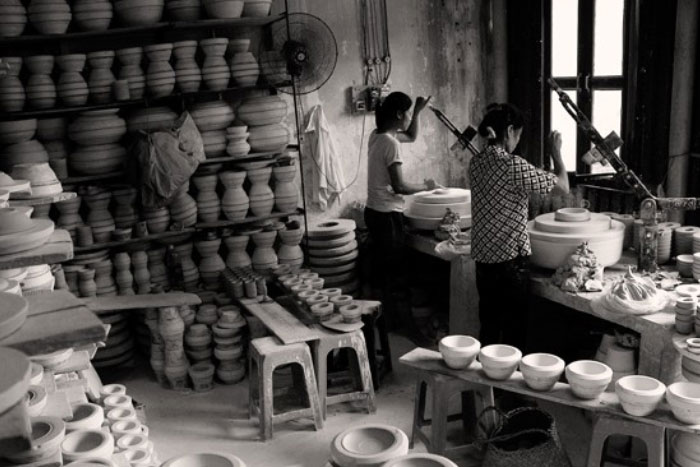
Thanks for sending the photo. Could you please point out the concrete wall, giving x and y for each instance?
(450, 49)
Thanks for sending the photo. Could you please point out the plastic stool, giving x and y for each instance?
(605, 425)
(374, 319)
(442, 387)
(266, 354)
(329, 341)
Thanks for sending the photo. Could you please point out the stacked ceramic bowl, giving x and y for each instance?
(685, 450)
(120, 344)
(228, 337)
(237, 141)
(684, 264)
(20, 233)
(97, 134)
(211, 119)
(425, 210)
(555, 236)
(198, 343)
(690, 368)
(684, 239)
(684, 399)
(332, 253)
(686, 308)
(264, 116)
(43, 180)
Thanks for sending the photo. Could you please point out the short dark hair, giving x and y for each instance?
(499, 117)
(387, 109)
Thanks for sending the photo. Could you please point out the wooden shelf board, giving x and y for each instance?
(92, 178)
(59, 248)
(247, 220)
(102, 305)
(131, 241)
(247, 158)
(65, 196)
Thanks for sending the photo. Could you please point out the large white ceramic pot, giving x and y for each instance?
(368, 445)
(262, 110)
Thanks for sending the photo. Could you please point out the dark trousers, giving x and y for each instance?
(503, 301)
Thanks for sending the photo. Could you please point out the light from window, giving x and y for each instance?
(607, 115)
(564, 124)
(608, 40)
(564, 37)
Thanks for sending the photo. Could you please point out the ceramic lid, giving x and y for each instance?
(37, 174)
(16, 372)
(443, 196)
(13, 221)
(11, 185)
(566, 221)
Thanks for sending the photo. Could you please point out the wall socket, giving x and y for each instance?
(365, 98)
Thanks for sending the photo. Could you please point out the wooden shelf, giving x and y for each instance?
(57, 249)
(252, 157)
(132, 241)
(105, 305)
(247, 220)
(92, 178)
(65, 196)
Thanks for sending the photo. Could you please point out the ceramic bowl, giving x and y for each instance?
(111, 389)
(686, 444)
(206, 459)
(588, 378)
(351, 313)
(420, 460)
(117, 400)
(86, 416)
(87, 443)
(541, 371)
(684, 399)
(639, 395)
(137, 457)
(368, 445)
(459, 351)
(499, 361)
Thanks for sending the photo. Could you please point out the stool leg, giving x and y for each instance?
(311, 389)
(321, 353)
(384, 342)
(418, 410)
(655, 442)
(252, 385)
(365, 372)
(438, 425)
(368, 331)
(266, 399)
(483, 398)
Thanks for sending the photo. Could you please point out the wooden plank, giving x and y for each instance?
(133, 302)
(93, 178)
(79, 360)
(281, 322)
(57, 249)
(247, 220)
(47, 302)
(65, 196)
(430, 361)
(131, 241)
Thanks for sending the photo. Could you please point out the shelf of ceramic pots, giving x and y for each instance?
(247, 221)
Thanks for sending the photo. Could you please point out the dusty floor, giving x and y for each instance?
(218, 421)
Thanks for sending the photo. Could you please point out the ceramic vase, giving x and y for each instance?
(157, 219)
(69, 217)
(286, 193)
(138, 12)
(259, 111)
(210, 265)
(97, 127)
(208, 204)
(183, 10)
(190, 272)
(13, 18)
(237, 255)
(160, 76)
(103, 278)
(86, 283)
(12, 94)
(101, 78)
(289, 251)
(264, 256)
(97, 159)
(99, 218)
(49, 16)
(41, 91)
(262, 199)
(274, 67)
(123, 276)
(237, 141)
(215, 72)
(142, 278)
(187, 73)
(214, 143)
(130, 59)
(235, 202)
(223, 9)
(92, 15)
(213, 115)
(156, 267)
(183, 208)
(72, 88)
(244, 69)
(71, 274)
(268, 138)
(124, 212)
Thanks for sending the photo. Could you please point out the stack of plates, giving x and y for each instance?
(684, 239)
(696, 266)
(332, 253)
(119, 347)
(663, 245)
(690, 369)
(684, 264)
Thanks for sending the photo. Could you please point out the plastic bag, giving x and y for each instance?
(449, 251)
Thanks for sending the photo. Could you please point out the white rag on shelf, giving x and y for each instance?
(328, 178)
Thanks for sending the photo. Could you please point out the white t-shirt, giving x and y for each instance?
(384, 151)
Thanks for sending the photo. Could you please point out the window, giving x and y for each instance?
(587, 58)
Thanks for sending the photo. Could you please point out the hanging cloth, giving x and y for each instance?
(328, 180)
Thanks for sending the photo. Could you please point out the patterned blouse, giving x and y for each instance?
(500, 184)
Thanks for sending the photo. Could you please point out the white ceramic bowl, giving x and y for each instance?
(639, 395)
(541, 371)
(86, 416)
(368, 445)
(204, 459)
(459, 351)
(420, 460)
(111, 389)
(684, 399)
(588, 378)
(499, 361)
(87, 443)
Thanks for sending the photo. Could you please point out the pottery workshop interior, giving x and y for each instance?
(349, 233)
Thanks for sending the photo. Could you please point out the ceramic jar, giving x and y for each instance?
(262, 199)
(41, 91)
(286, 193)
(142, 277)
(156, 267)
(183, 208)
(138, 12)
(237, 141)
(171, 329)
(289, 251)
(237, 255)
(51, 129)
(215, 72)
(130, 70)
(72, 88)
(244, 69)
(103, 278)
(160, 76)
(26, 152)
(101, 78)
(268, 138)
(123, 276)
(92, 15)
(97, 127)
(210, 265)
(264, 256)
(124, 212)
(262, 110)
(97, 159)
(86, 283)
(157, 219)
(190, 273)
(183, 10)
(214, 143)
(69, 218)
(13, 18)
(211, 116)
(49, 16)
(208, 204)
(187, 73)
(223, 9)
(257, 8)
(235, 202)
(12, 95)
(99, 218)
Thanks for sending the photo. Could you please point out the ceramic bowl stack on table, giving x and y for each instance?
(425, 210)
(686, 308)
(264, 116)
(332, 253)
(555, 236)
(683, 239)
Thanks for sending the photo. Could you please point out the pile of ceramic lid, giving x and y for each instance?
(120, 344)
(43, 180)
(426, 209)
(555, 236)
(332, 253)
(20, 233)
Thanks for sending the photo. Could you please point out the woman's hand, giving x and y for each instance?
(554, 142)
(430, 184)
(421, 103)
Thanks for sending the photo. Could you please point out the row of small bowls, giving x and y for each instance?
(588, 379)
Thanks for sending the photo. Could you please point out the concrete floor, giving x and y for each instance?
(217, 421)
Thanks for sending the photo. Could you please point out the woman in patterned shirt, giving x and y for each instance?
(501, 183)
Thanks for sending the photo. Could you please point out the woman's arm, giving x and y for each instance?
(562, 186)
(402, 187)
(411, 133)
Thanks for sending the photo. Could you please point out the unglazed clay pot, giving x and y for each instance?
(257, 7)
(101, 78)
(72, 88)
(223, 9)
(69, 216)
(123, 276)
(151, 119)
(131, 70)
(210, 116)
(157, 219)
(262, 110)
(237, 143)
(97, 159)
(208, 204)
(49, 16)
(262, 199)
(264, 256)
(268, 138)
(286, 193)
(215, 72)
(289, 251)
(244, 69)
(183, 208)
(97, 127)
(13, 18)
(183, 10)
(12, 94)
(86, 283)
(237, 255)
(92, 15)
(214, 143)
(160, 76)
(103, 278)
(41, 91)
(235, 202)
(138, 12)
(156, 267)
(99, 217)
(187, 73)
(142, 277)
(190, 272)
(274, 67)
(26, 152)
(124, 213)
(211, 265)
(17, 131)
